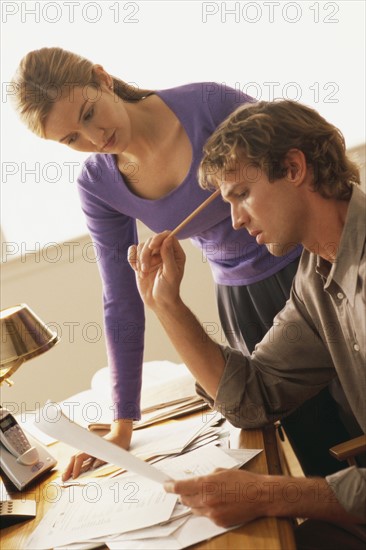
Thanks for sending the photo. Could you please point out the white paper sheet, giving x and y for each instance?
(172, 437)
(29, 422)
(243, 455)
(100, 509)
(194, 530)
(67, 431)
(201, 462)
(81, 546)
(156, 531)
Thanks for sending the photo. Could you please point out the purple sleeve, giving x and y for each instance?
(112, 234)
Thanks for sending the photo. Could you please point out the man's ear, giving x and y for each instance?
(102, 76)
(294, 165)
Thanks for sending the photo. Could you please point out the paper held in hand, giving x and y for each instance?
(67, 431)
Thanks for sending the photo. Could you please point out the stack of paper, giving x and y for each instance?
(192, 531)
(178, 437)
(168, 391)
(100, 509)
(130, 511)
(167, 439)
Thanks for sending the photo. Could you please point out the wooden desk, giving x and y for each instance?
(268, 534)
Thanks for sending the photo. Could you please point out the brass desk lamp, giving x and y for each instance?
(23, 336)
(22, 458)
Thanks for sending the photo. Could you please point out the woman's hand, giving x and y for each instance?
(159, 267)
(120, 434)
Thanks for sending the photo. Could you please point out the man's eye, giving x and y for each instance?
(243, 195)
(72, 140)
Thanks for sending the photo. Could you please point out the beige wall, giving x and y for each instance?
(62, 285)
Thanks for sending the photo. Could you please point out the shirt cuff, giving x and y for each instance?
(349, 486)
(232, 386)
(222, 388)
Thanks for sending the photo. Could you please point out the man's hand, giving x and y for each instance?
(159, 267)
(120, 434)
(227, 497)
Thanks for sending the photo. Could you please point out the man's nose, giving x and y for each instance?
(239, 217)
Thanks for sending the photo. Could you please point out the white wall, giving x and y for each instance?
(312, 52)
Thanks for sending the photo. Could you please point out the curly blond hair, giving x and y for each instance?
(43, 75)
(262, 134)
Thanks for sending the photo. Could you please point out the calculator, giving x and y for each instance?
(14, 511)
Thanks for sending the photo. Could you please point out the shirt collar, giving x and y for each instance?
(345, 269)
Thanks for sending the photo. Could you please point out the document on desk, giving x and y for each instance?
(131, 511)
(194, 530)
(102, 508)
(201, 462)
(174, 437)
(64, 429)
(127, 508)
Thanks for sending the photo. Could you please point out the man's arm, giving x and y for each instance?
(290, 365)
(234, 497)
(158, 279)
(202, 355)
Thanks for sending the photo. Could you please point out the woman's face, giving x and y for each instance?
(90, 120)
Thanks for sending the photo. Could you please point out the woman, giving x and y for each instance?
(146, 147)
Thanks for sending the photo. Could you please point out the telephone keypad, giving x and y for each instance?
(17, 439)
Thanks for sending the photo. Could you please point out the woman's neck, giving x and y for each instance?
(153, 127)
(145, 132)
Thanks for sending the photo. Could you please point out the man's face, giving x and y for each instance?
(270, 211)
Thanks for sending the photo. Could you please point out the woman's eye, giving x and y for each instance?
(72, 140)
(89, 114)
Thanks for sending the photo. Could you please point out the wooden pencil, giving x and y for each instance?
(195, 212)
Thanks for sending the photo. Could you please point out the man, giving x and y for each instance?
(284, 171)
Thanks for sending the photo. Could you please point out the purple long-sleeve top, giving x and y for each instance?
(111, 210)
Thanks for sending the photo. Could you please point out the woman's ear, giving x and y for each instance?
(102, 76)
(295, 166)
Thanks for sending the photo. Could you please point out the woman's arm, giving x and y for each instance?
(112, 233)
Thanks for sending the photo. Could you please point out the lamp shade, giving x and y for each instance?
(23, 336)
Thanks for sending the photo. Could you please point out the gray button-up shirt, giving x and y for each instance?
(319, 334)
